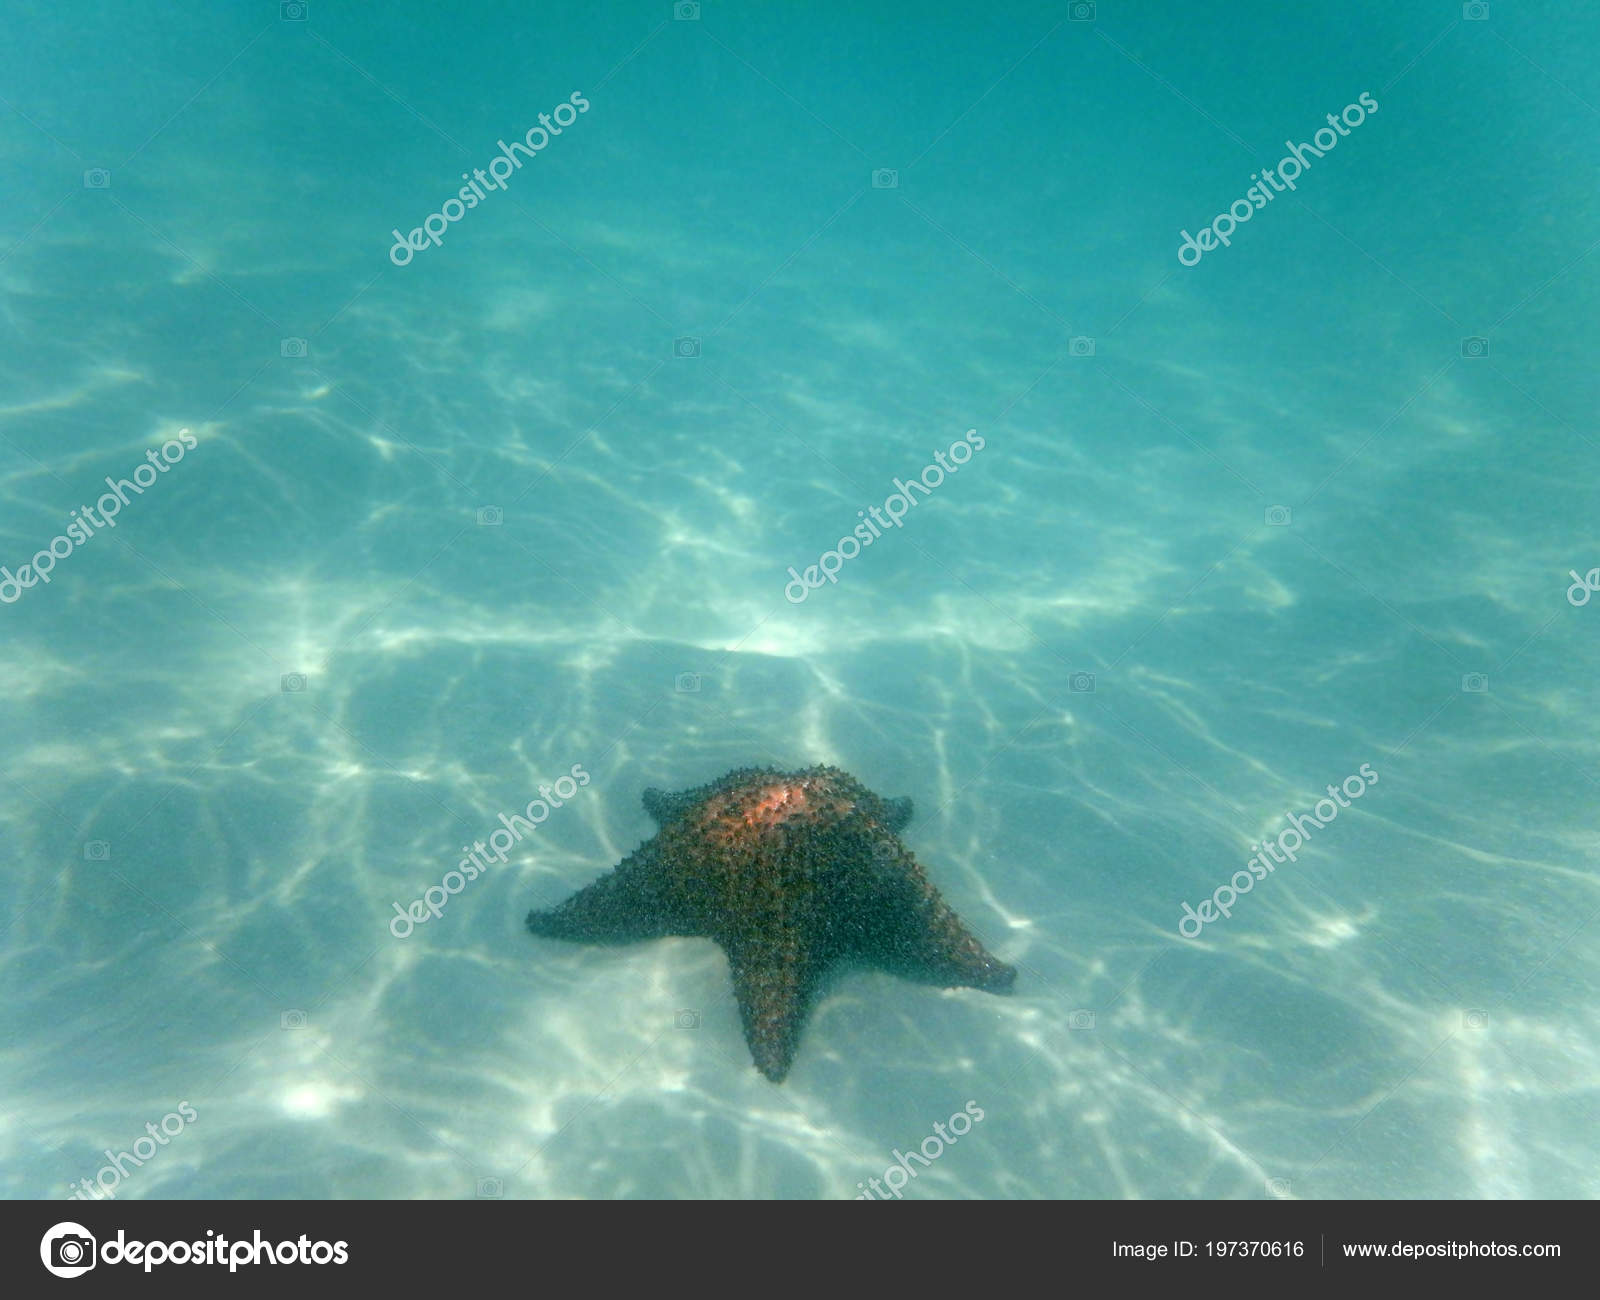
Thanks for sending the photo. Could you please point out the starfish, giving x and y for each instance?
(792, 874)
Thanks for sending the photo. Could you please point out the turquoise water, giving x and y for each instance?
(425, 536)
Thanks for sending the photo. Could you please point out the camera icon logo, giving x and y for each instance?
(1080, 11)
(1475, 683)
(1476, 346)
(97, 178)
(1279, 516)
(491, 516)
(68, 1250)
(686, 1020)
(686, 11)
(292, 1020)
(685, 347)
(491, 1188)
(291, 683)
(1278, 1189)
(97, 851)
(292, 348)
(885, 178)
(1475, 1019)
(1081, 1020)
(292, 11)
(1474, 11)
(1081, 346)
(686, 683)
(1083, 683)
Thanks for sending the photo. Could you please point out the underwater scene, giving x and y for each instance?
(760, 600)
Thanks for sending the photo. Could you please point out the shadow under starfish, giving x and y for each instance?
(792, 873)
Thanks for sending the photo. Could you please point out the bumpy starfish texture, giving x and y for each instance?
(792, 873)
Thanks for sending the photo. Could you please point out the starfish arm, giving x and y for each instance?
(898, 814)
(902, 926)
(664, 806)
(774, 986)
(938, 949)
(627, 905)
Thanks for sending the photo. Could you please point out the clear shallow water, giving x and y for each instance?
(200, 865)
